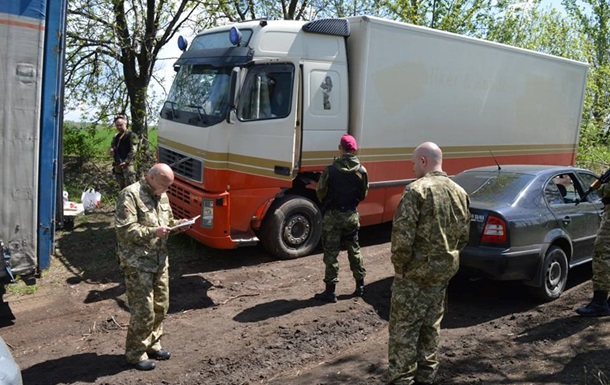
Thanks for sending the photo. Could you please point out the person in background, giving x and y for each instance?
(342, 186)
(143, 223)
(598, 307)
(123, 149)
(430, 227)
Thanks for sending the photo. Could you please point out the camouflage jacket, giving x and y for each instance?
(138, 214)
(430, 227)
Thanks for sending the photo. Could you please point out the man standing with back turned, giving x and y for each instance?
(143, 221)
(342, 186)
(430, 227)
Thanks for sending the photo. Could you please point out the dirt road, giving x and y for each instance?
(239, 317)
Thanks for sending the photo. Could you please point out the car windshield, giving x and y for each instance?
(200, 92)
(493, 186)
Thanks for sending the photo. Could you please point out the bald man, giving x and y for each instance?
(143, 221)
(430, 227)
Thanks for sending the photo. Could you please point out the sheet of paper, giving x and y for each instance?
(185, 224)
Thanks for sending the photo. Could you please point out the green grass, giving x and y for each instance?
(19, 288)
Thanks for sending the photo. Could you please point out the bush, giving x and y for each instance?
(82, 142)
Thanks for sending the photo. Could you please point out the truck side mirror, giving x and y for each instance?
(233, 94)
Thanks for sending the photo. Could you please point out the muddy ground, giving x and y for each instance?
(240, 317)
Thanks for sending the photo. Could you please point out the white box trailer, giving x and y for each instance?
(473, 97)
(256, 111)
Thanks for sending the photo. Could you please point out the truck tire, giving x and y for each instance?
(554, 274)
(292, 227)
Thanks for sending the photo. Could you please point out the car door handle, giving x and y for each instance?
(567, 220)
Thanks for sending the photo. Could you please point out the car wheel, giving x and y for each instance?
(292, 228)
(554, 273)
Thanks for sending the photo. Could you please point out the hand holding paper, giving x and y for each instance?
(185, 223)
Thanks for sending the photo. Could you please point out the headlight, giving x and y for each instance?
(207, 213)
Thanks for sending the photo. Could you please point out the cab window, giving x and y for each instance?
(267, 93)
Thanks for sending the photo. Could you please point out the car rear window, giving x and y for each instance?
(492, 186)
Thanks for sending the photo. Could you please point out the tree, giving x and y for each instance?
(593, 20)
(236, 10)
(112, 49)
(459, 16)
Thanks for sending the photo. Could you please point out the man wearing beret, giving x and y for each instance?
(342, 186)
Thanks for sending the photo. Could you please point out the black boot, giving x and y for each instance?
(359, 292)
(328, 295)
(598, 307)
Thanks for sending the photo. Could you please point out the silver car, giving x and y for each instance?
(530, 224)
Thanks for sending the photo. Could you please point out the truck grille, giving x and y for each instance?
(180, 194)
(183, 165)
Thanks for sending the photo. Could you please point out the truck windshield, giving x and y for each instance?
(199, 95)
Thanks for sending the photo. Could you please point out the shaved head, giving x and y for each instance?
(160, 177)
(427, 157)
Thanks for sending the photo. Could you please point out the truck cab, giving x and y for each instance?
(233, 125)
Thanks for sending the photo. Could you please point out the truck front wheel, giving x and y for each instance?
(292, 227)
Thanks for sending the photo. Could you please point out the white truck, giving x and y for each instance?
(256, 111)
(31, 77)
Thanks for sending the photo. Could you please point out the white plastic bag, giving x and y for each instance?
(90, 199)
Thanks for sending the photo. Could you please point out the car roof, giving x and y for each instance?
(533, 169)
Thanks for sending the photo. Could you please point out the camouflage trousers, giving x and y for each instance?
(148, 299)
(125, 176)
(338, 227)
(415, 322)
(601, 256)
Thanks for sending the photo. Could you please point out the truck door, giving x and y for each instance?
(324, 103)
(264, 139)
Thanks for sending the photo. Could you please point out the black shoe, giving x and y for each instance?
(145, 365)
(359, 292)
(328, 295)
(160, 355)
(594, 310)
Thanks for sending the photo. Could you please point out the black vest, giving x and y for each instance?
(122, 146)
(344, 190)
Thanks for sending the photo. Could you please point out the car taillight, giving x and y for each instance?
(494, 230)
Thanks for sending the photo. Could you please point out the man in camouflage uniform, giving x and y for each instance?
(123, 149)
(340, 189)
(598, 306)
(430, 227)
(143, 221)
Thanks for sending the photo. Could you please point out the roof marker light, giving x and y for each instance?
(235, 36)
(182, 43)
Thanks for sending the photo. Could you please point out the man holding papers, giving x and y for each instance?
(144, 220)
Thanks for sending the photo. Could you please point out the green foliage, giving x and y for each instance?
(111, 51)
(593, 152)
(19, 288)
(592, 18)
(87, 162)
(82, 141)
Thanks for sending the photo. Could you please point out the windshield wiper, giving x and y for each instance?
(200, 109)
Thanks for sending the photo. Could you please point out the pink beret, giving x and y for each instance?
(349, 143)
